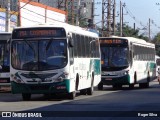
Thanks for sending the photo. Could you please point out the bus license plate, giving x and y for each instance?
(108, 78)
(3, 81)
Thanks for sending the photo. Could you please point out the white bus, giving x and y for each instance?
(58, 58)
(4, 59)
(158, 68)
(126, 61)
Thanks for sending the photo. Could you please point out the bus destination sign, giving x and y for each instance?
(41, 32)
(113, 41)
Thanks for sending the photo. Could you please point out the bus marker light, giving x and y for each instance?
(108, 78)
(102, 62)
(3, 81)
(61, 87)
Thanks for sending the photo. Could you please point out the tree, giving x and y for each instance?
(141, 36)
(130, 32)
(156, 40)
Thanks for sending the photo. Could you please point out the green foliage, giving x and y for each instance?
(130, 32)
(156, 40)
(83, 23)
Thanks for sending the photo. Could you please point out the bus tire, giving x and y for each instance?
(100, 86)
(26, 96)
(145, 85)
(148, 80)
(158, 80)
(72, 95)
(135, 78)
(83, 92)
(91, 89)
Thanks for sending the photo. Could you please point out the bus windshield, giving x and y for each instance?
(37, 55)
(114, 57)
(158, 61)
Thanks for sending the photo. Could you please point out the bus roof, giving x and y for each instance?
(133, 40)
(157, 57)
(69, 28)
(5, 35)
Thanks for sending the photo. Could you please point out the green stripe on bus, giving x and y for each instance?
(67, 81)
(96, 63)
(97, 67)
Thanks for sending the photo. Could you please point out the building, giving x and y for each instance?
(84, 13)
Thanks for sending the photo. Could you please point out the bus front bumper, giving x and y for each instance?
(124, 80)
(59, 87)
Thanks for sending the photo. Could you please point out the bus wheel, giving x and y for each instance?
(91, 89)
(145, 85)
(72, 95)
(83, 92)
(158, 80)
(100, 86)
(148, 80)
(26, 96)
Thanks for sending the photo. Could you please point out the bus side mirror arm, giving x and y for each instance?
(133, 54)
(90, 49)
(70, 40)
(8, 44)
(71, 43)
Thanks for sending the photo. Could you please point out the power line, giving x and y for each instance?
(133, 17)
(21, 7)
(39, 15)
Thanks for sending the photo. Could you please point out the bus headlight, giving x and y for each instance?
(48, 79)
(126, 72)
(62, 77)
(16, 79)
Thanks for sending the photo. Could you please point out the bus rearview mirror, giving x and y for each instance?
(71, 43)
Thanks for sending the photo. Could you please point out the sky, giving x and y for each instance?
(138, 12)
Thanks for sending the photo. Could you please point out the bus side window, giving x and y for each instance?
(131, 57)
(71, 53)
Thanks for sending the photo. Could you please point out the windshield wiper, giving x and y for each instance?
(49, 44)
(30, 46)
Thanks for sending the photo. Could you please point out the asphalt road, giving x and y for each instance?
(109, 104)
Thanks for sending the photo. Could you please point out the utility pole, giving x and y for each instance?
(120, 18)
(78, 13)
(114, 16)
(134, 26)
(7, 25)
(66, 9)
(92, 11)
(107, 17)
(149, 32)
